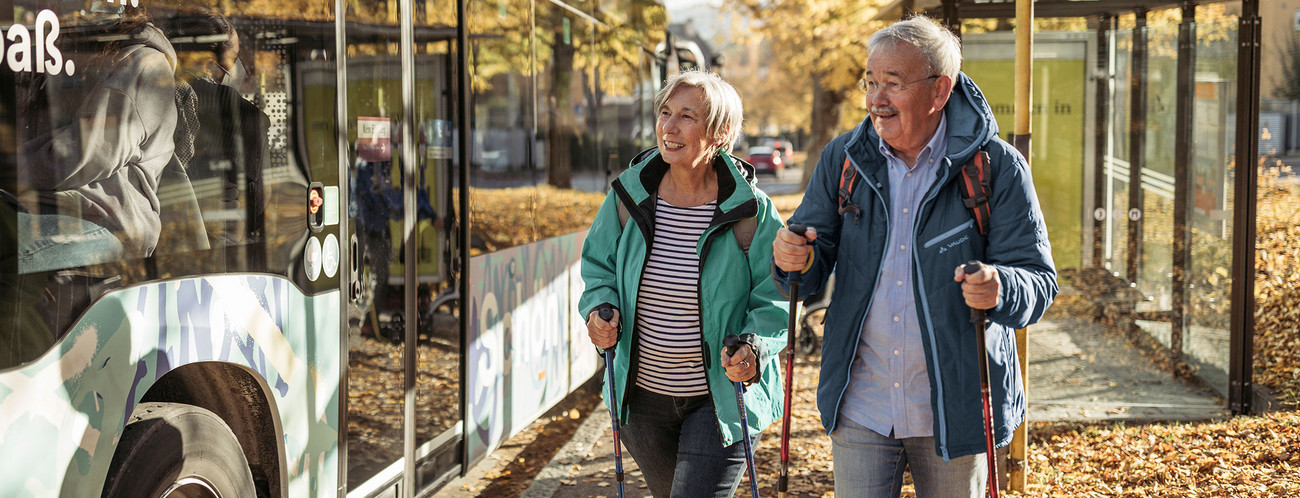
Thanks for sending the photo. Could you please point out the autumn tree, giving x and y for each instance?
(818, 53)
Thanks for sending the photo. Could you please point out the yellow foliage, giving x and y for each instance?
(503, 218)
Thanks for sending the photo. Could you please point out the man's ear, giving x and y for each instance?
(942, 90)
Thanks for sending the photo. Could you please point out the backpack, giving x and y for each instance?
(975, 190)
(743, 229)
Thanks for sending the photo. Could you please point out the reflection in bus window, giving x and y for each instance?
(230, 146)
(161, 148)
(95, 172)
(95, 149)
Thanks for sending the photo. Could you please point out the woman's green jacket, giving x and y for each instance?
(736, 293)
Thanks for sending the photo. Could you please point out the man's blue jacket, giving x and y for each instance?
(945, 237)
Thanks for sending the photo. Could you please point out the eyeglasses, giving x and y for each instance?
(873, 88)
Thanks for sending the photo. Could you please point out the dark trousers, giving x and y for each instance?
(675, 442)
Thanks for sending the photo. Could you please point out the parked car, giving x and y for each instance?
(777, 143)
(766, 160)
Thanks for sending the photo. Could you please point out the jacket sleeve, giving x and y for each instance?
(819, 209)
(599, 259)
(768, 315)
(1019, 247)
(126, 119)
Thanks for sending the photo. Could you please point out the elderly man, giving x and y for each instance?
(900, 383)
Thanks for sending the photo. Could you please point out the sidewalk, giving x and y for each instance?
(1077, 372)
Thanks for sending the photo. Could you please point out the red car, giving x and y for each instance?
(766, 160)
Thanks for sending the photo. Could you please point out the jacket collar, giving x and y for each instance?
(736, 182)
(970, 126)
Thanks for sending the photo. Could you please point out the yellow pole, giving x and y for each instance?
(1016, 461)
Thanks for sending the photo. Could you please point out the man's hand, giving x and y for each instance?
(981, 289)
(791, 251)
(603, 334)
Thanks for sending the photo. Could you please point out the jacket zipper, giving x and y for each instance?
(636, 217)
(711, 235)
(879, 270)
(920, 294)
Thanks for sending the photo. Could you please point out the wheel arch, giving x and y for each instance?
(242, 399)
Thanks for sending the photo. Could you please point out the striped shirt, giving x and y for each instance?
(668, 307)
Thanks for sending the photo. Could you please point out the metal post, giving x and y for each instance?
(406, 54)
(951, 19)
(1137, 143)
(462, 93)
(1245, 190)
(347, 277)
(1105, 74)
(1024, 81)
(1183, 158)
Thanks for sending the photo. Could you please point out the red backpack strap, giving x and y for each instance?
(848, 177)
(976, 190)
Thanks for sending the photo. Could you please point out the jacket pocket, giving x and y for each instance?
(953, 232)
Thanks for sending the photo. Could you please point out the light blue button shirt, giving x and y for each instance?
(889, 391)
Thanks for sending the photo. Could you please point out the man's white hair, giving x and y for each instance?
(937, 47)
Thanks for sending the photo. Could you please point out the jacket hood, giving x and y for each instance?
(970, 125)
(149, 36)
(737, 181)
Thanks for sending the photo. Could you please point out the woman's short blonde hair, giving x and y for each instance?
(725, 112)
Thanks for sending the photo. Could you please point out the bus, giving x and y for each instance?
(310, 248)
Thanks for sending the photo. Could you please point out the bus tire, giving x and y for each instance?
(177, 448)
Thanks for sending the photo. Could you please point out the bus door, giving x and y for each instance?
(403, 416)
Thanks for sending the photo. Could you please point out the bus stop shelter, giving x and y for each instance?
(1171, 109)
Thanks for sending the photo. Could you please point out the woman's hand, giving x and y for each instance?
(741, 366)
(603, 334)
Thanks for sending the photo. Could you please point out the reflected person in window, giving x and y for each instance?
(98, 167)
(676, 273)
(231, 141)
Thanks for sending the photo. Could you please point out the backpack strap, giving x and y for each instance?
(848, 178)
(622, 214)
(743, 230)
(976, 190)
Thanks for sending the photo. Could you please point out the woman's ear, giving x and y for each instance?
(212, 69)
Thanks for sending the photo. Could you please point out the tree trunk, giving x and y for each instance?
(561, 122)
(826, 108)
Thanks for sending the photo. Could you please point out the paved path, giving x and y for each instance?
(1078, 372)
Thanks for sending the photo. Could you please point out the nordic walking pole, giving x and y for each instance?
(783, 479)
(607, 313)
(732, 343)
(977, 318)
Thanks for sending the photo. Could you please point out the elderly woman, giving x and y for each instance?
(681, 248)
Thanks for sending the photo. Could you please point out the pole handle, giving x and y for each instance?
(606, 313)
(731, 343)
(972, 266)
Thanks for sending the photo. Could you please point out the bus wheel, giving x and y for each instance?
(178, 451)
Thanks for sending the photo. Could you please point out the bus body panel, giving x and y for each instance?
(71, 404)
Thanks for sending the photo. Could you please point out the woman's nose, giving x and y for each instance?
(668, 123)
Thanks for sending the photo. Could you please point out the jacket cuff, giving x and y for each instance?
(752, 340)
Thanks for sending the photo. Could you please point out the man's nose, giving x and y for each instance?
(879, 98)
